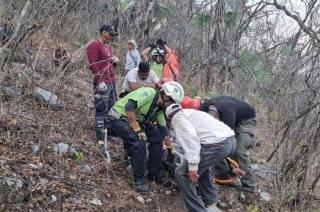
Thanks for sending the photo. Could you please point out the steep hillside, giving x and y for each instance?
(35, 177)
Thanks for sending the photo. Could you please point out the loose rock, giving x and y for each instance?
(11, 92)
(33, 166)
(242, 197)
(140, 199)
(87, 169)
(167, 192)
(13, 181)
(265, 196)
(262, 170)
(46, 98)
(12, 190)
(96, 202)
(35, 149)
(61, 148)
(72, 177)
(54, 198)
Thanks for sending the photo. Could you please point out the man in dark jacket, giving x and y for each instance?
(239, 116)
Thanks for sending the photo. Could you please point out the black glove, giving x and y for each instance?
(160, 42)
(152, 45)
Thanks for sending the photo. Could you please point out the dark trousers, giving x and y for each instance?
(136, 149)
(209, 155)
(103, 105)
(244, 136)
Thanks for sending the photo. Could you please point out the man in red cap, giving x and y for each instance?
(102, 63)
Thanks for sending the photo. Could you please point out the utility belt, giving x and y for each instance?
(113, 114)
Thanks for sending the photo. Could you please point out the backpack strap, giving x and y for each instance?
(135, 61)
(175, 78)
(150, 115)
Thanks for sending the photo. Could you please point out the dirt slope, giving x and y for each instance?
(45, 180)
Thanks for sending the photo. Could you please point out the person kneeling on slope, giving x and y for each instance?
(139, 118)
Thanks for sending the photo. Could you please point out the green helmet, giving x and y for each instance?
(174, 90)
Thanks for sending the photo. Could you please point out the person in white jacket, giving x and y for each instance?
(132, 57)
(204, 141)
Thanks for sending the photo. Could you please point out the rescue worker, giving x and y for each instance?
(139, 77)
(102, 63)
(139, 118)
(241, 117)
(203, 145)
(157, 58)
(164, 61)
(235, 171)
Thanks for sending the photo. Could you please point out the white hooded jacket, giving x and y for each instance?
(193, 128)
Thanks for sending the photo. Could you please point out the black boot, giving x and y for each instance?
(141, 188)
(163, 181)
(100, 128)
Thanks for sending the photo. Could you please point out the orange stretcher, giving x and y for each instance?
(231, 180)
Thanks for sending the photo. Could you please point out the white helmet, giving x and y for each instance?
(157, 52)
(174, 90)
(172, 109)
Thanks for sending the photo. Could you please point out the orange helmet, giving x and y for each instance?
(196, 104)
(190, 103)
(186, 102)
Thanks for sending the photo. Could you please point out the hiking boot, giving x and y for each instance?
(141, 188)
(250, 189)
(163, 181)
(213, 208)
(100, 134)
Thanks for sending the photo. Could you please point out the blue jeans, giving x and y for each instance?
(102, 106)
(209, 155)
(136, 149)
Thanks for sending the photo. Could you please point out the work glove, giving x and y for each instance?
(137, 129)
(102, 88)
(161, 43)
(152, 45)
(115, 59)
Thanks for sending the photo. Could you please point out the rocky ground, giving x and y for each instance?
(49, 159)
